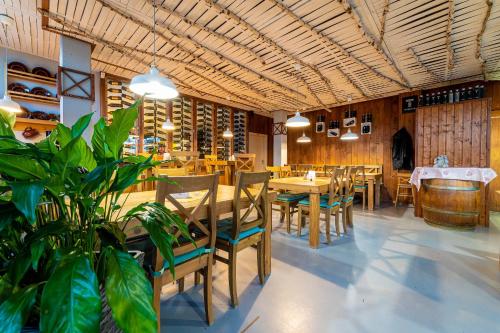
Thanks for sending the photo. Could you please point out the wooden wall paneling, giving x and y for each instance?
(467, 138)
(494, 160)
(477, 110)
(449, 128)
(459, 130)
(264, 125)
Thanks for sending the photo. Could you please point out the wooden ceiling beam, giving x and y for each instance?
(421, 64)
(292, 59)
(382, 22)
(179, 46)
(479, 37)
(353, 13)
(450, 53)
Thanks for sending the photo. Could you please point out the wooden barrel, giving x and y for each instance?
(451, 203)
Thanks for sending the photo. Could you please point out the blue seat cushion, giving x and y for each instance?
(224, 228)
(289, 197)
(348, 199)
(183, 258)
(360, 186)
(322, 204)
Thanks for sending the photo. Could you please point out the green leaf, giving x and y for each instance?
(37, 250)
(56, 228)
(125, 177)
(15, 310)
(111, 234)
(99, 145)
(70, 299)
(5, 288)
(62, 135)
(101, 174)
(7, 121)
(118, 131)
(80, 126)
(9, 213)
(129, 293)
(18, 268)
(26, 195)
(75, 154)
(21, 167)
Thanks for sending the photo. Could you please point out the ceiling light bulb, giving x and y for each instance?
(304, 139)
(153, 85)
(297, 121)
(349, 136)
(227, 134)
(168, 125)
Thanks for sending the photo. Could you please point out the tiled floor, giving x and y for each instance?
(392, 273)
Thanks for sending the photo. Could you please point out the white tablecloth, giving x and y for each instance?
(484, 175)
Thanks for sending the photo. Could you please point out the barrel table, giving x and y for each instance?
(451, 203)
(452, 197)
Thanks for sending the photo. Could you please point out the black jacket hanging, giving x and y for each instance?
(402, 150)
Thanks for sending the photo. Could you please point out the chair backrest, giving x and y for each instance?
(330, 169)
(274, 170)
(285, 171)
(205, 232)
(373, 168)
(247, 182)
(171, 172)
(360, 179)
(217, 165)
(350, 175)
(210, 157)
(318, 168)
(403, 177)
(301, 169)
(336, 178)
(245, 162)
(187, 159)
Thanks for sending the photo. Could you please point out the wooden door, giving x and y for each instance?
(257, 144)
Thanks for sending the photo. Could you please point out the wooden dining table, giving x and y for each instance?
(225, 196)
(320, 186)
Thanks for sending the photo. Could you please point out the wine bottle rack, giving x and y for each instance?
(183, 122)
(119, 96)
(223, 122)
(155, 114)
(204, 128)
(240, 130)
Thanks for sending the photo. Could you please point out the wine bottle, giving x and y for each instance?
(450, 96)
(457, 95)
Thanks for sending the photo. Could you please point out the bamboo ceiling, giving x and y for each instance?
(247, 52)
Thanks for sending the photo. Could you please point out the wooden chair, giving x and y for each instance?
(245, 162)
(319, 168)
(346, 204)
(189, 257)
(330, 169)
(171, 172)
(373, 168)
(404, 187)
(360, 185)
(287, 202)
(223, 168)
(329, 204)
(285, 171)
(244, 229)
(187, 159)
(301, 169)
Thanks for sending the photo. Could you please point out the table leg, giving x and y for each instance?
(313, 220)
(378, 185)
(371, 186)
(267, 239)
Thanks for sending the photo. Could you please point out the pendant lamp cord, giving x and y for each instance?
(154, 32)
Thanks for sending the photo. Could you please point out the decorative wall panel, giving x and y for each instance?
(223, 122)
(155, 114)
(240, 132)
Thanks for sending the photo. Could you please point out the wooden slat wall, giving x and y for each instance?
(493, 91)
(263, 125)
(368, 149)
(458, 130)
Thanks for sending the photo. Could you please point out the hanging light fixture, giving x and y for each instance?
(297, 120)
(304, 138)
(349, 136)
(153, 84)
(168, 125)
(227, 133)
(6, 103)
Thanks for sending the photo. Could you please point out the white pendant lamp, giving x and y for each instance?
(304, 138)
(227, 134)
(349, 135)
(168, 125)
(6, 103)
(153, 84)
(298, 121)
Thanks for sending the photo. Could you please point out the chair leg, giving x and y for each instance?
(196, 278)
(282, 214)
(344, 219)
(207, 290)
(350, 215)
(287, 215)
(328, 213)
(364, 199)
(181, 285)
(337, 226)
(260, 259)
(299, 221)
(397, 196)
(232, 276)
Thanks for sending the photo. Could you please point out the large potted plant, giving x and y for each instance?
(61, 229)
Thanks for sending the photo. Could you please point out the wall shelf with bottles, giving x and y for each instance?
(240, 132)
(223, 122)
(204, 128)
(183, 121)
(155, 114)
(452, 94)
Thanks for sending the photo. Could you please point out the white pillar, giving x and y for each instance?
(75, 54)
(280, 140)
(3, 66)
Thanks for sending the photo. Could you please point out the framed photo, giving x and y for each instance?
(409, 104)
(366, 128)
(349, 122)
(333, 133)
(320, 127)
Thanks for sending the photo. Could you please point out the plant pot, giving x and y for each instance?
(107, 322)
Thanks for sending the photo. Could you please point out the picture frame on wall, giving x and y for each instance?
(320, 124)
(409, 104)
(349, 122)
(333, 133)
